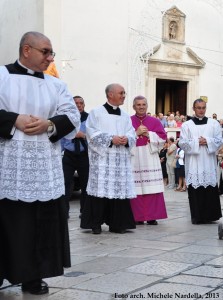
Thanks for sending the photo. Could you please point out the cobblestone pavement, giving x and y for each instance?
(174, 260)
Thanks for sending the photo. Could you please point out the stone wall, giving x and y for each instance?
(16, 18)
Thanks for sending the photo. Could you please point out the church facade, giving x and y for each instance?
(171, 51)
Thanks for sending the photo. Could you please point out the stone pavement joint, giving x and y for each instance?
(173, 260)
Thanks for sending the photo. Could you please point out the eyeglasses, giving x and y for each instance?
(199, 107)
(45, 52)
(122, 93)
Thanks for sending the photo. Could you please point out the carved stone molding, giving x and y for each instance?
(174, 26)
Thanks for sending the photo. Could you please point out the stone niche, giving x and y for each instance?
(172, 60)
(174, 26)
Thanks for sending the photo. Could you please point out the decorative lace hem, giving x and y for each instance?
(31, 170)
(204, 179)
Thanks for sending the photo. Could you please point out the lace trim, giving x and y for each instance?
(30, 170)
(186, 146)
(103, 141)
(100, 142)
(202, 179)
(217, 142)
(110, 175)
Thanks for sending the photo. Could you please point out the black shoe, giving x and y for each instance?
(139, 223)
(195, 222)
(1, 282)
(152, 222)
(220, 230)
(121, 231)
(35, 287)
(202, 222)
(96, 230)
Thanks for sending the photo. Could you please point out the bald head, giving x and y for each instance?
(31, 38)
(111, 88)
(35, 51)
(115, 94)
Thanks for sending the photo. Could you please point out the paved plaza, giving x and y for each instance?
(174, 260)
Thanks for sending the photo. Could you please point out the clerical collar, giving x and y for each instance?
(113, 106)
(111, 110)
(18, 68)
(200, 121)
(29, 71)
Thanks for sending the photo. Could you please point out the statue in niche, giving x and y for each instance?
(172, 30)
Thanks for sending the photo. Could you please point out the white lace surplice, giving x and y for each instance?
(110, 173)
(147, 168)
(30, 166)
(200, 161)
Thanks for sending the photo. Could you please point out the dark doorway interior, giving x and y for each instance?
(171, 95)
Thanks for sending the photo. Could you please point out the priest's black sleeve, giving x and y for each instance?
(7, 121)
(63, 127)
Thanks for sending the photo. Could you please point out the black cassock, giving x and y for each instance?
(34, 238)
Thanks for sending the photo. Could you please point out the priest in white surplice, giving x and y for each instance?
(110, 187)
(200, 138)
(36, 111)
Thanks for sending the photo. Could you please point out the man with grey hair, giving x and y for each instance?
(36, 111)
(149, 205)
(110, 186)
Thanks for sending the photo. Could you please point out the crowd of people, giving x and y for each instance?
(171, 119)
(172, 162)
(176, 119)
(123, 162)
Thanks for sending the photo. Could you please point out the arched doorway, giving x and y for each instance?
(171, 95)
